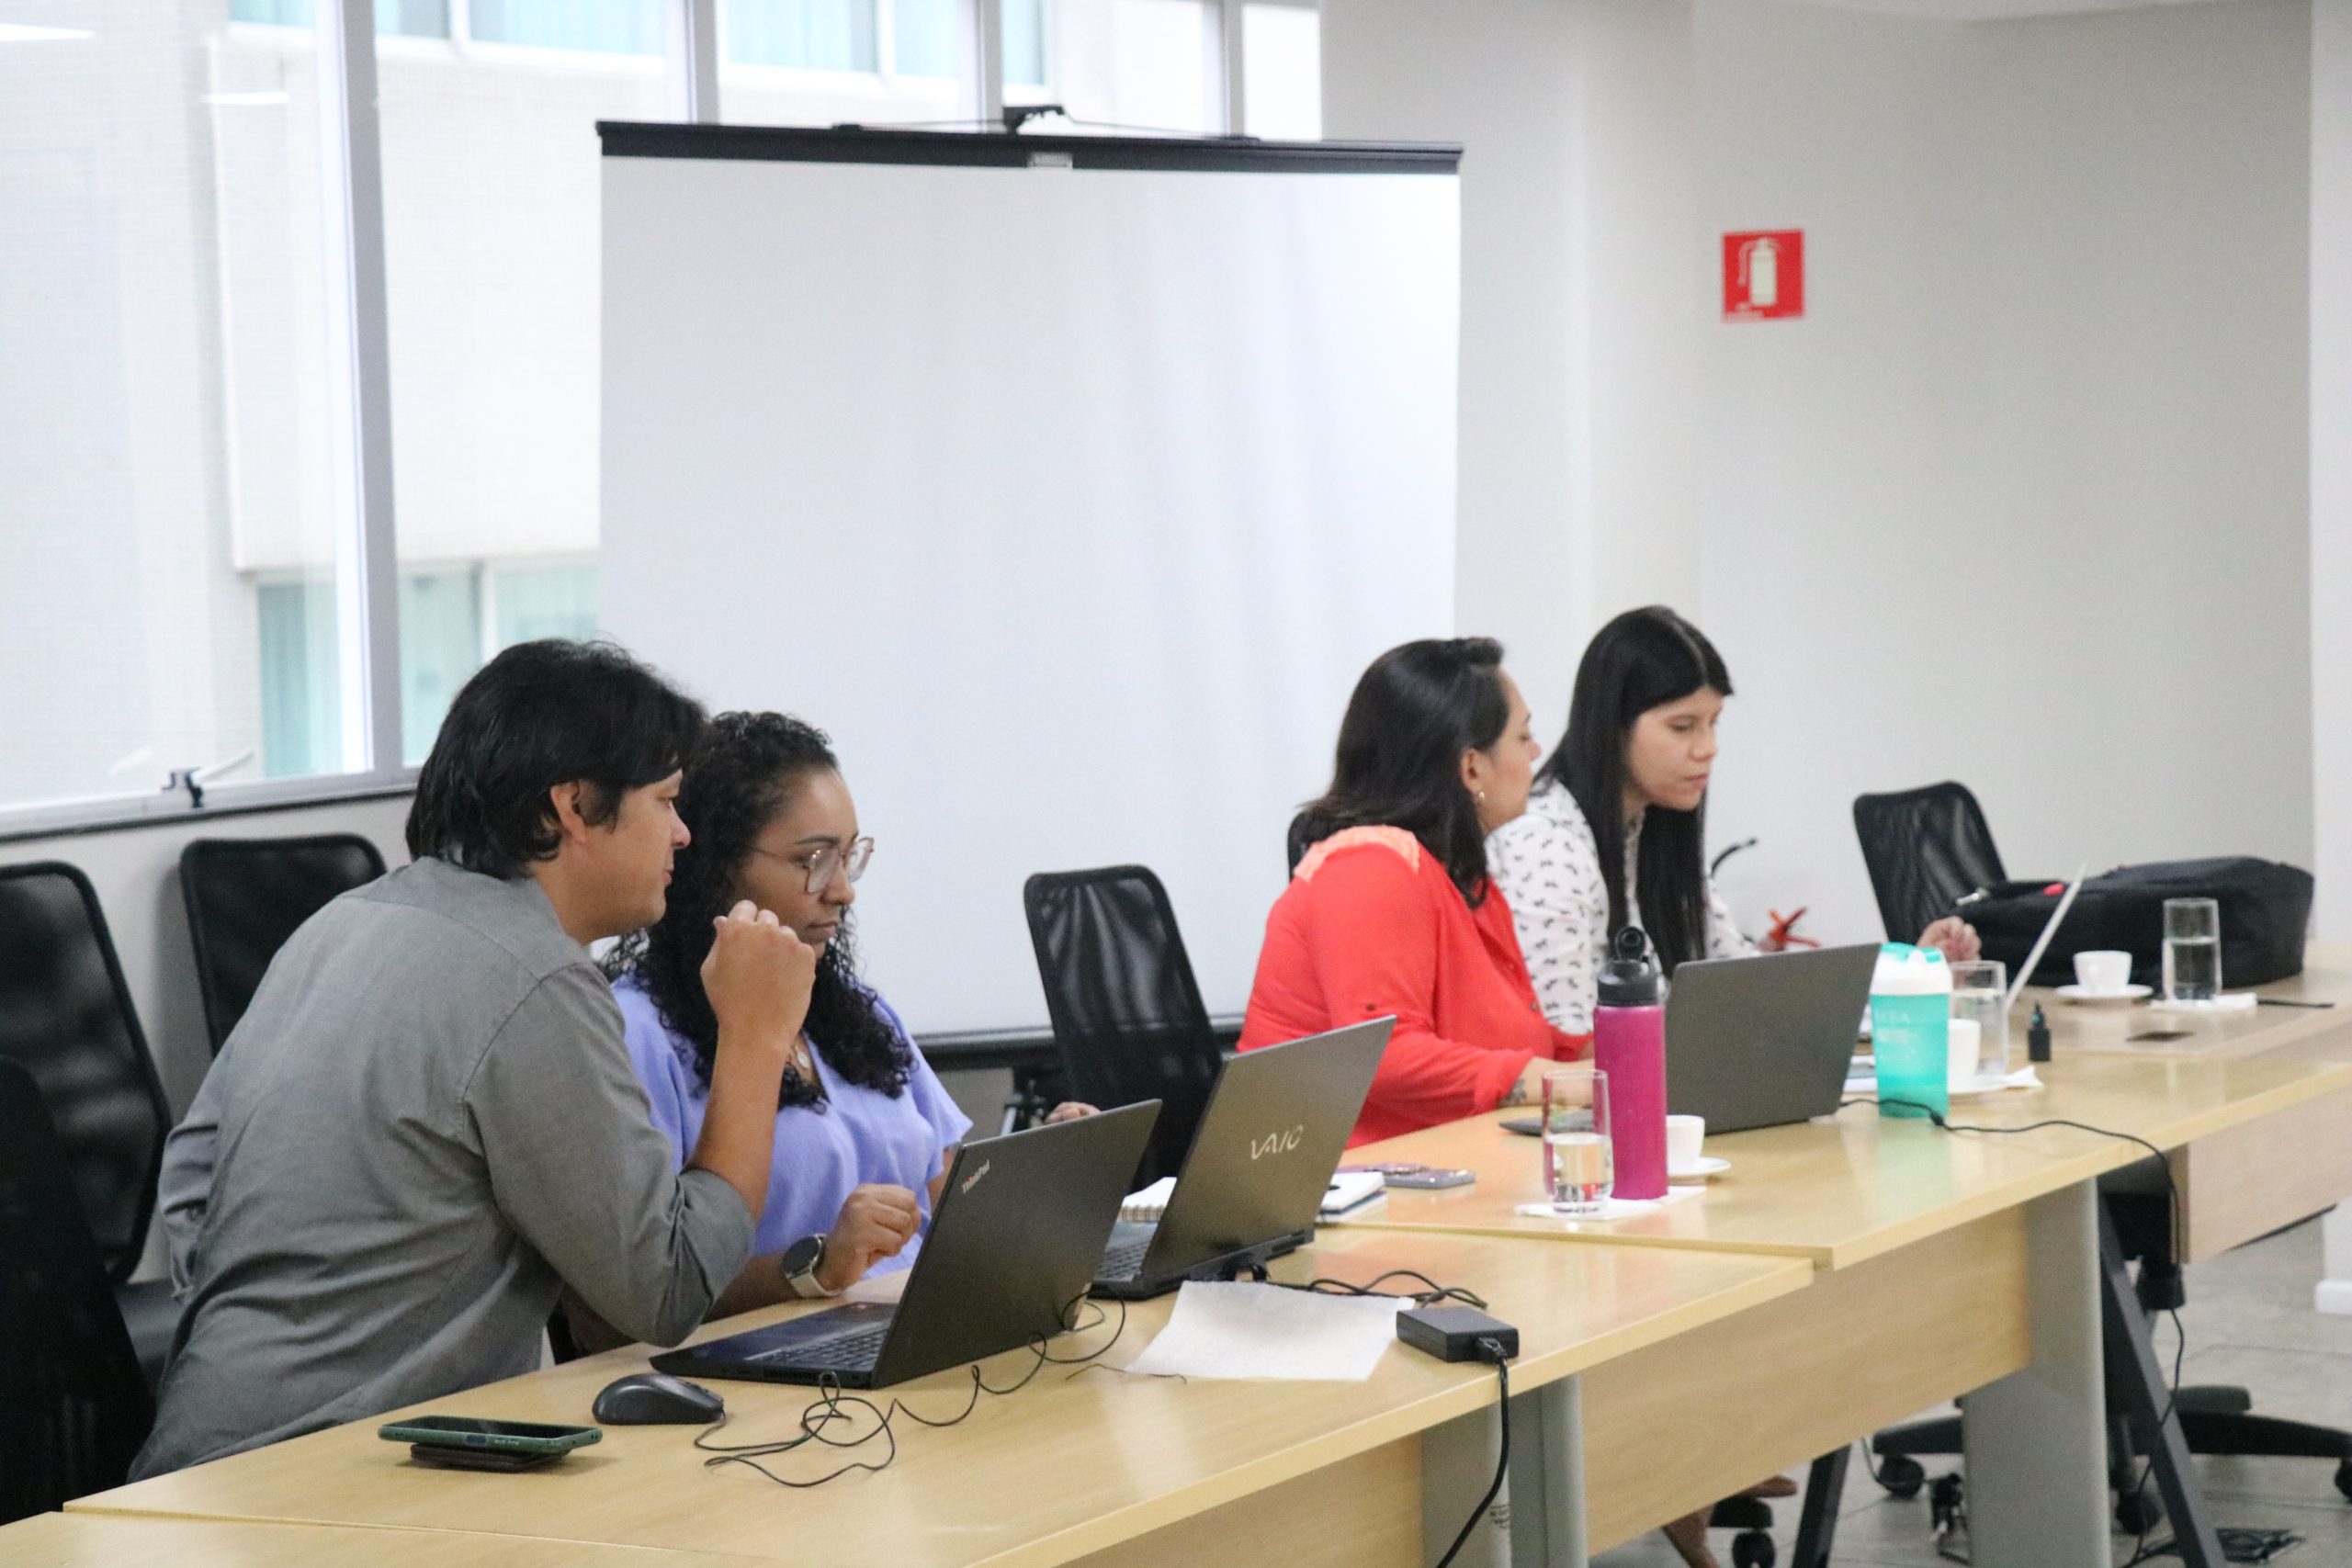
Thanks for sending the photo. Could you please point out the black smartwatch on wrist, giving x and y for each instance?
(800, 1262)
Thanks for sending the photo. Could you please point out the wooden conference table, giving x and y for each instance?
(1076, 1467)
(1948, 1263)
(102, 1540)
(1841, 1276)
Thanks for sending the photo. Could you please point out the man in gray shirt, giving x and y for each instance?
(427, 1124)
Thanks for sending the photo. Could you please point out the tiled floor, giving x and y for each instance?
(2250, 1322)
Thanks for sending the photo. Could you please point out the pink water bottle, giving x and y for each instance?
(1629, 1044)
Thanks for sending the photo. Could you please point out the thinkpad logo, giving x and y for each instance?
(973, 1180)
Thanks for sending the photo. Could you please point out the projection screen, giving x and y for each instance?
(1067, 482)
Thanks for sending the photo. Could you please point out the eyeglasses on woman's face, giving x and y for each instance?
(823, 862)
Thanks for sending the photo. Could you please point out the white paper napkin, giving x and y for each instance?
(1264, 1331)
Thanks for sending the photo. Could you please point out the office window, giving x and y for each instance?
(161, 186)
(811, 35)
(1118, 65)
(492, 240)
(1282, 85)
(823, 61)
(606, 26)
(394, 18)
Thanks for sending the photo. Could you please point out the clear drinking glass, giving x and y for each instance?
(1578, 1169)
(2192, 950)
(1980, 990)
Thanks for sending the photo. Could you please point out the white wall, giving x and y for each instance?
(2331, 472)
(2022, 500)
(1578, 352)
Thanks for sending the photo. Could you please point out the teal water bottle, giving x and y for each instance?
(1911, 1029)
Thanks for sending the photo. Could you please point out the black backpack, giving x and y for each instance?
(2265, 914)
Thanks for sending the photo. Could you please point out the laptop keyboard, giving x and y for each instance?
(1123, 1259)
(847, 1352)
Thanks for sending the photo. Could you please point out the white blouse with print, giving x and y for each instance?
(1549, 870)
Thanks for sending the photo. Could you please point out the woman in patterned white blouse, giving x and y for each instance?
(1615, 828)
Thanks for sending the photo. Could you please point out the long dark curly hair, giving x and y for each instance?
(742, 773)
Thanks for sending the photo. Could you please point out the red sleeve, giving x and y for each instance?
(1374, 947)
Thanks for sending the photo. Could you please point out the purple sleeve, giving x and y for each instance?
(948, 1122)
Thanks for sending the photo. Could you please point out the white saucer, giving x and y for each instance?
(1708, 1165)
(2127, 994)
(1993, 1083)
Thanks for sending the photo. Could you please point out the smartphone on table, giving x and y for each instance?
(472, 1443)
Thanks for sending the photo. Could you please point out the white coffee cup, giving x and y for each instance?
(1965, 1051)
(1684, 1135)
(2103, 972)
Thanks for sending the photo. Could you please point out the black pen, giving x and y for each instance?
(2288, 1003)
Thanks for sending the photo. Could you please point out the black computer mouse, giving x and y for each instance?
(653, 1399)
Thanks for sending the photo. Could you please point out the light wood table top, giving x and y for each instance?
(2107, 1027)
(104, 1541)
(1072, 1464)
(1845, 1189)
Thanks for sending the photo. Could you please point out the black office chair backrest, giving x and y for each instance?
(66, 1017)
(1128, 1016)
(1925, 849)
(245, 896)
(76, 1406)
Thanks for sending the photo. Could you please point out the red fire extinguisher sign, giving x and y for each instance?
(1764, 274)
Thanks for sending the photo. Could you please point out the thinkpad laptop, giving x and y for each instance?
(1758, 1041)
(1013, 1240)
(1276, 1124)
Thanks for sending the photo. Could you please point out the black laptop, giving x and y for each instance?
(1275, 1126)
(1758, 1042)
(1013, 1240)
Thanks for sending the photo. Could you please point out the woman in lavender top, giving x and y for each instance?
(863, 1126)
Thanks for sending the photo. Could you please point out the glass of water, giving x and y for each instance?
(1578, 1169)
(2192, 950)
(1980, 990)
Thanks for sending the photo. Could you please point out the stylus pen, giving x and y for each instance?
(2288, 1003)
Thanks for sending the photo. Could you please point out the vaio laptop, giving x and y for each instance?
(1276, 1126)
(1013, 1241)
(1758, 1041)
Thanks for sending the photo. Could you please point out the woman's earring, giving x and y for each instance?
(1482, 796)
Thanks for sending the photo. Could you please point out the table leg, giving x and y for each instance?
(2335, 1292)
(2145, 1400)
(1537, 1520)
(2035, 1442)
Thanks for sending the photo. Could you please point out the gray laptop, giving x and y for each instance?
(1011, 1246)
(1276, 1126)
(1758, 1042)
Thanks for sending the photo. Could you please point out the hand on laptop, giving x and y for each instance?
(1955, 938)
(876, 1221)
(1070, 1110)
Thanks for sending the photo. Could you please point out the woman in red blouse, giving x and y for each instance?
(1390, 909)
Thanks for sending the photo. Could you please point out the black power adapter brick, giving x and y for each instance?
(1451, 1333)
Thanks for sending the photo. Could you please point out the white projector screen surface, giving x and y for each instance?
(1070, 502)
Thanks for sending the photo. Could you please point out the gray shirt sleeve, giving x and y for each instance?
(578, 1167)
(184, 1190)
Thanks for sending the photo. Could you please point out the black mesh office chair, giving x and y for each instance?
(1128, 1015)
(245, 896)
(66, 1017)
(1925, 849)
(77, 1407)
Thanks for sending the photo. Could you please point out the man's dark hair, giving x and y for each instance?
(540, 715)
